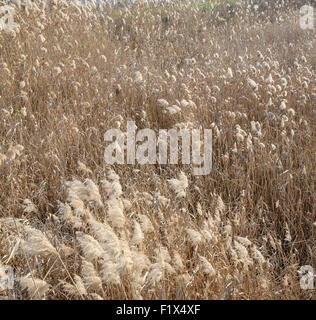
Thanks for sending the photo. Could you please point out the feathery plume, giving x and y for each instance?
(36, 288)
(91, 248)
(90, 277)
(138, 235)
(194, 237)
(206, 266)
(36, 243)
(179, 185)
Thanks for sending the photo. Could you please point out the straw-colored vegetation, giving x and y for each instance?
(74, 227)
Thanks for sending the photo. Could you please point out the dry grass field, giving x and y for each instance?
(74, 227)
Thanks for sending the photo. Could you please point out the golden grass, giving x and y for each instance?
(73, 227)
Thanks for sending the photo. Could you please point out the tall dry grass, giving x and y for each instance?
(73, 227)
